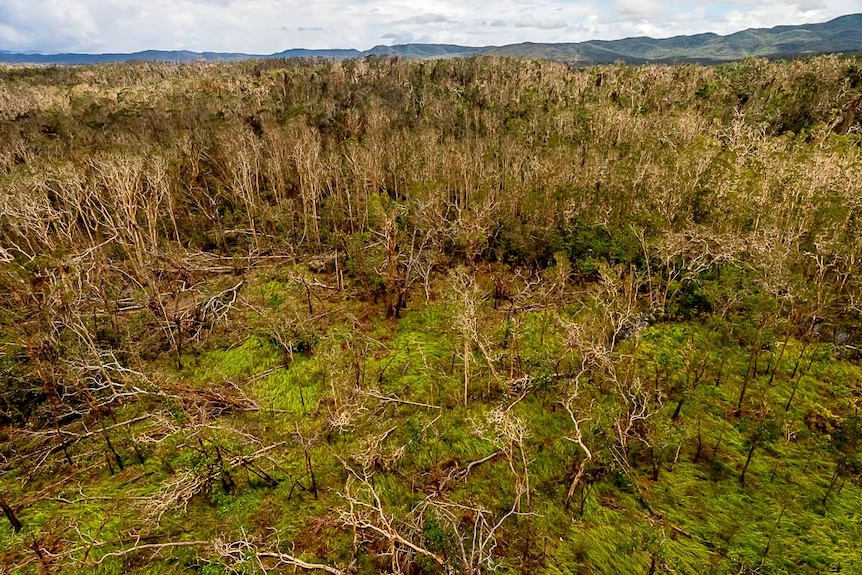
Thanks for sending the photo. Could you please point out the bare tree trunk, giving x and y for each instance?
(308, 466)
(10, 515)
(655, 461)
(699, 443)
(720, 369)
(772, 534)
(752, 367)
(798, 379)
(792, 394)
(117, 457)
(778, 360)
(798, 359)
(747, 462)
(466, 369)
(832, 483)
(678, 409)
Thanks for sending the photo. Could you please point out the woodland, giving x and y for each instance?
(462, 316)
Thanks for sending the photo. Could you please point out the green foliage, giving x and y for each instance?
(252, 356)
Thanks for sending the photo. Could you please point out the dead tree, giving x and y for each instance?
(365, 513)
(588, 455)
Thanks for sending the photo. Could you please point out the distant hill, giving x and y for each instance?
(303, 53)
(842, 34)
(426, 51)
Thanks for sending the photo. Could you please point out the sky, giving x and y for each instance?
(269, 26)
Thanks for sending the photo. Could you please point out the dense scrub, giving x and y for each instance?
(431, 317)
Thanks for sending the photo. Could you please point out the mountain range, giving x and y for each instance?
(842, 35)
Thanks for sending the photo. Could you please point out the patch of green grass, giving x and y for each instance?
(295, 390)
(254, 355)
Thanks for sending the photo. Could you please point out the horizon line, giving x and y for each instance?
(360, 51)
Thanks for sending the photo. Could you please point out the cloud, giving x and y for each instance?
(532, 22)
(406, 38)
(639, 7)
(268, 26)
(423, 19)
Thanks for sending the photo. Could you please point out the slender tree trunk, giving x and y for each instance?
(699, 443)
(832, 483)
(302, 400)
(655, 461)
(720, 369)
(752, 366)
(117, 457)
(308, 466)
(10, 515)
(310, 472)
(227, 480)
(747, 462)
(841, 487)
(179, 344)
(466, 369)
(772, 534)
(718, 442)
(678, 409)
(308, 296)
(807, 461)
(778, 360)
(798, 359)
(792, 394)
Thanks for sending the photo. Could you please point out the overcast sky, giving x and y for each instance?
(268, 26)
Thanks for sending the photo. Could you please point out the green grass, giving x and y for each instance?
(696, 518)
(252, 356)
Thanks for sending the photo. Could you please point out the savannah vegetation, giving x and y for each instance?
(460, 316)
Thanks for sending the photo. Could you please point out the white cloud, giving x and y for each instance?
(640, 7)
(267, 26)
(531, 21)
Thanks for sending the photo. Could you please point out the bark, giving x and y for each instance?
(699, 443)
(752, 366)
(792, 394)
(678, 409)
(778, 361)
(10, 515)
(747, 462)
(832, 483)
(466, 370)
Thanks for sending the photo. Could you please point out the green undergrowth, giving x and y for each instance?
(674, 503)
(250, 357)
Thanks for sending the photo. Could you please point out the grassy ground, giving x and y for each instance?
(377, 407)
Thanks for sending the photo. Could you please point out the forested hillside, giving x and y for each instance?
(841, 35)
(458, 316)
